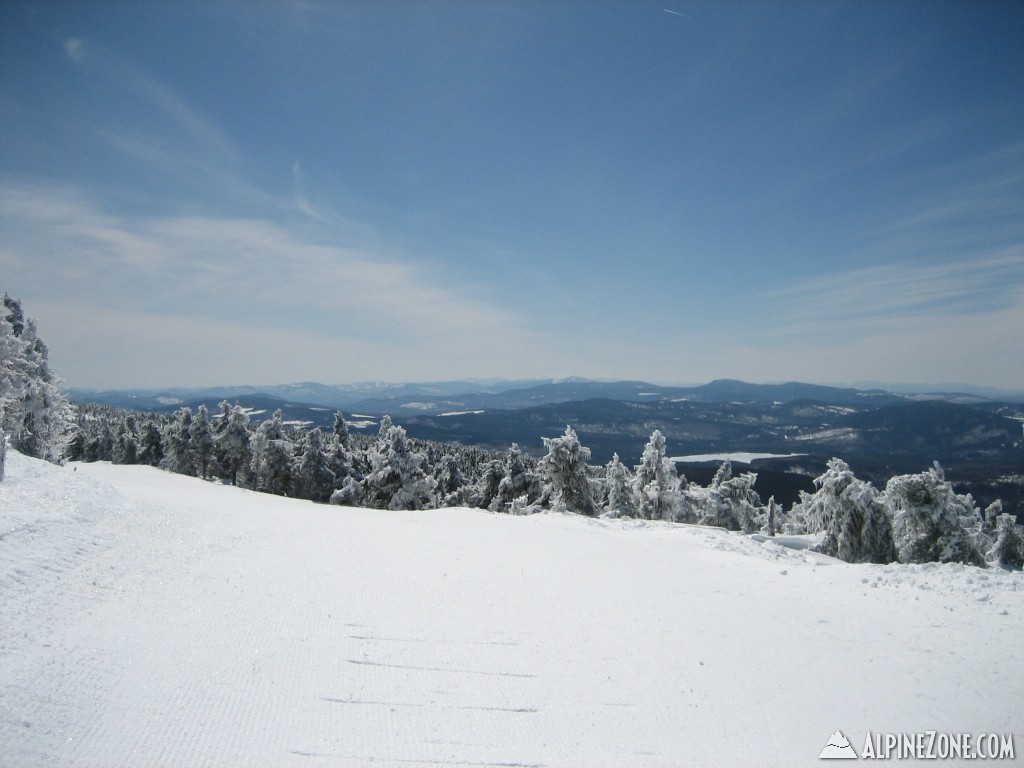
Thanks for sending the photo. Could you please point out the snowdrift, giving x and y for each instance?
(152, 619)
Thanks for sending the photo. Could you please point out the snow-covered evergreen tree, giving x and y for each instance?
(1008, 550)
(854, 517)
(340, 430)
(931, 523)
(313, 477)
(486, 488)
(202, 442)
(620, 499)
(231, 434)
(151, 448)
(3, 453)
(518, 481)
(272, 457)
(656, 483)
(125, 449)
(35, 415)
(450, 482)
(566, 479)
(178, 439)
(397, 478)
(729, 502)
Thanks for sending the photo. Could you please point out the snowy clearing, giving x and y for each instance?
(154, 619)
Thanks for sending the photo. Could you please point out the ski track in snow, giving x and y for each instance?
(150, 619)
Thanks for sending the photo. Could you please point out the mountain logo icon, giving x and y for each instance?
(838, 748)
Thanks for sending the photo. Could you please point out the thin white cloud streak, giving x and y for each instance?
(861, 300)
(100, 61)
(302, 203)
(238, 281)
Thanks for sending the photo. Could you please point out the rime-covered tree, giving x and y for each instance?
(1008, 550)
(852, 514)
(178, 439)
(272, 457)
(313, 476)
(620, 500)
(656, 482)
(486, 488)
(931, 523)
(232, 438)
(125, 450)
(518, 481)
(729, 502)
(451, 482)
(202, 443)
(565, 475)
(340, 430)
(397, 478)
(34, 414)
(151, 447)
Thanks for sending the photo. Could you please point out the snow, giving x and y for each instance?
(460, 413)
(155, 619)
(737, 458)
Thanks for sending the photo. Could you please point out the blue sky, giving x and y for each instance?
(232, 192)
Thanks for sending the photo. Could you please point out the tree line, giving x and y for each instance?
(915, 518)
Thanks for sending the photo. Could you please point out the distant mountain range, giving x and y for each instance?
(618, 416)
(434, 398)
(880, 433)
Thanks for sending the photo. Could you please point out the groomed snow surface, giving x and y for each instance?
(151, 619)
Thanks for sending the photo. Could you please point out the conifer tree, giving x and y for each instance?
(621, 499)
(34, 413)
(313, 476)
(1008, 551)
(932, 523)
(517, 481)
(852, 514)
(656, 482)
(272, 456)
(179, 456)
(566, 480)
(231, 435)
(202, 443)
(397, 477)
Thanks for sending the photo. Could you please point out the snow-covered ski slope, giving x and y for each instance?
(151, 619)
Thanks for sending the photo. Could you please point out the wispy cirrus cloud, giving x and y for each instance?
(202, 133)
(246, 283)
(860, 300)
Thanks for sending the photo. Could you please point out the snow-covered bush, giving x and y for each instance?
(565, 475)
(931, 523)
(729, 502)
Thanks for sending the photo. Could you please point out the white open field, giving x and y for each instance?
(150, 619)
